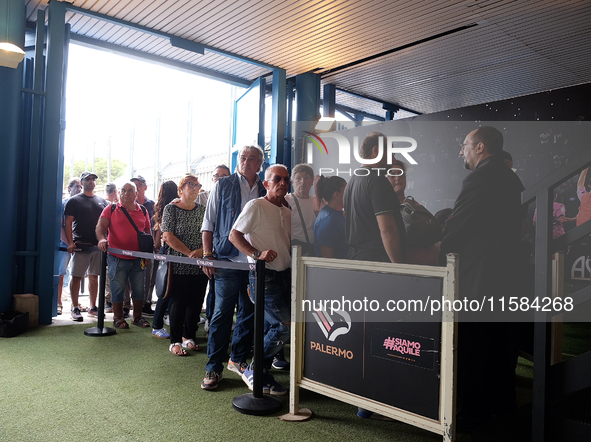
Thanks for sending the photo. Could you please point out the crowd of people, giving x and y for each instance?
(244, 219)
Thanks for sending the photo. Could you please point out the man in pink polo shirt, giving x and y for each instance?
(122, 235)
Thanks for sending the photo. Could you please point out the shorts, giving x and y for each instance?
(64, 258)
(83, 261)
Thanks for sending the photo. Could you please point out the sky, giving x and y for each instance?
(110, 96)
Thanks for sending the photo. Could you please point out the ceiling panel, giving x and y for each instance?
(513, 47)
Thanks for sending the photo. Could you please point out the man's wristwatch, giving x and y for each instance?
(256, 254)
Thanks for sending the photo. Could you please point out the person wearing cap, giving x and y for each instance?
(82, 213)
(74, 188)
(149, 274)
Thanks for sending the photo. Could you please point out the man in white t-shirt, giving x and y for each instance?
(262, 232)
(302, 208)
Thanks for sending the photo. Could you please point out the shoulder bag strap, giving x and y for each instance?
(301, 218)
(130, 220)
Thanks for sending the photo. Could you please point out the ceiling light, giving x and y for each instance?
(10, 55)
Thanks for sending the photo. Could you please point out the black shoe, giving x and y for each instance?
(125, 312)
(279, 362)
(147, 310)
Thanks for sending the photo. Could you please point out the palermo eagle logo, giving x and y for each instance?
(331, 328)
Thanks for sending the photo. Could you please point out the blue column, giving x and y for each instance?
(12, 25)
(329, 100)
(52, 164)
(278, 117)
(308, 110)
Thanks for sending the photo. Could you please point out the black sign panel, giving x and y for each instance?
(401, 348)
(346, 350)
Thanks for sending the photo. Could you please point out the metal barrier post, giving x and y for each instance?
(256, 403)
(100, 329)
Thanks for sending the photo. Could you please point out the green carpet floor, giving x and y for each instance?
(57, 384)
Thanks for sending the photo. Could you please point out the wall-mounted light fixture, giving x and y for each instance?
(325, 124)
(10, 54)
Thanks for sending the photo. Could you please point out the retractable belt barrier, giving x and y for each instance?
(254, 403)
(169, 258)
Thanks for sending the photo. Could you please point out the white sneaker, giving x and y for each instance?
(166, 320)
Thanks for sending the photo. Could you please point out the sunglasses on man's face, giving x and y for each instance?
(277, 179)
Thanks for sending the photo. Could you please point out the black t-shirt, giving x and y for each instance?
(86, 211)
(365, 198)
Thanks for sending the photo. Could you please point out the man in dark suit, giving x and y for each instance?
(485, 230)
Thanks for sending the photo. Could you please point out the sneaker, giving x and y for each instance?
(108, 307)
(366, 414)
(248, 378)
(160, 333)
(202, 320)
(93, 311)
(147, 310)
(279, 363)
(166, 320)
(236, 367)
(206, 326)
(82, 308)
(76, 315)
(274, 387)
(211, 380)
(126, 313)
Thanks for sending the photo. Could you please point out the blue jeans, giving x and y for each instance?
(159, 312)
(210, 302)
(122, 270)
(277, 312)
(230, 288)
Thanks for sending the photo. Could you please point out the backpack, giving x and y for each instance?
(422, 228)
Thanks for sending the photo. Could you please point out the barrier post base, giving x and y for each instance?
(302, 415)
(96, 331)
(263, 406)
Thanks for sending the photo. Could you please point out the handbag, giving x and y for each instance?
(145, 240)
(422, 228)
(163, 279)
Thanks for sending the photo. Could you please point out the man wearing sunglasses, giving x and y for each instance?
(263, 232)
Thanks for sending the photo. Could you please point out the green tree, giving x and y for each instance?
(100, 169)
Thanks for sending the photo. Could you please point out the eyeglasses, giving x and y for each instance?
(277, 179)
(194, 185)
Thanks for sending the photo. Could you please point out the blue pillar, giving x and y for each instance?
(52, 163)
(289, 123)
(12, 26)
(278, 117)
(308, 107)
(329, 100)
